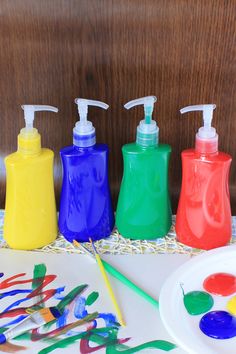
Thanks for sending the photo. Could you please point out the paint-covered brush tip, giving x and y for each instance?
(76, 243)
(55, 312)
(2, 339)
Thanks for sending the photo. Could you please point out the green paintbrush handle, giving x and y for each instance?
(115, 273)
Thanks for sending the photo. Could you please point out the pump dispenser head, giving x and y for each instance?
(29, 114)
(206, 138)
(84, 131)
(147, 130)
(29, 140)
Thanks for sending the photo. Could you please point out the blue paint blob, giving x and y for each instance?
(218, 325)
(1, 275)
(2, 339)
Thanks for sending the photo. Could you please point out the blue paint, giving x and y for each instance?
(85, 206)
(1, 275)
(218, 325)
(16, 320)
(109, 319)
(14, 292)
(2, 339)
(79, 310)
(62, 320)
(15, 304)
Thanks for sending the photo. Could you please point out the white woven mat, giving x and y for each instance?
(116, 244)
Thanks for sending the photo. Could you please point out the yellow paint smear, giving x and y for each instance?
(231, 306)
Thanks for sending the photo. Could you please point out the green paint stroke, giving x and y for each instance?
(61, 344)
(110, 342)
(92, 298)
(70, 297)
(39, 274)
(38, 279)
(198, 302)
(155, 344)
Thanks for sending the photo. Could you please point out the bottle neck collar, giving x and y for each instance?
(84, 140)
(29, 143)
(206, 146)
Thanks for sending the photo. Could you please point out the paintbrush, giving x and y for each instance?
(35, 320)
(108, 285)
(121, 277)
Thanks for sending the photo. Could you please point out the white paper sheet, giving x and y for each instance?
(142, 318)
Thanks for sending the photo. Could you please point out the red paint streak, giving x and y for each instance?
(35, 336)
(44, 295)
(7, 283)
(222, 284)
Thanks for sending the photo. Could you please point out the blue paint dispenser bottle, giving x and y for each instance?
(85, 205)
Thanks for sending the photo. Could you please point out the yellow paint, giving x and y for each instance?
(231, 306)
(30, 212)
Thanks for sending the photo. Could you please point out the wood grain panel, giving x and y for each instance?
(115, 50)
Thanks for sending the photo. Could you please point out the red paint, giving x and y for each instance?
(203, 217)
(43, 294)
(222, 284)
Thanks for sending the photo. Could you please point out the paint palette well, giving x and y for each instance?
(183, 327)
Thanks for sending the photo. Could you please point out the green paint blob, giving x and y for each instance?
(198, 302)
(92, 298)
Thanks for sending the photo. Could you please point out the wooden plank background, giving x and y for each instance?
(182, 51)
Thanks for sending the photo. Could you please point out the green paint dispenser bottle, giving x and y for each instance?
(144, 209)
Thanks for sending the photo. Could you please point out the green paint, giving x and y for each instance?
(144, 210)
(109, 341)
(70, 297)
(38, 276)
(40, 271)
(155, 344)
(198, 302)
(92, 298)
(61, 344)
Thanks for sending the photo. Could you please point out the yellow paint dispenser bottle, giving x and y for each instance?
(30, 213)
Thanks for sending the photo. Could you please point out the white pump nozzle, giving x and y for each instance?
(83, 107)
(147, 130)
(84, 132)
(148, 103)
(207, 131)
(29, 113)
(206, 137)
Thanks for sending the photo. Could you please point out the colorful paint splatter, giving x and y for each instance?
(89, 330)
(219, 324)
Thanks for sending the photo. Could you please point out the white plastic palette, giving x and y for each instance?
(183, 327)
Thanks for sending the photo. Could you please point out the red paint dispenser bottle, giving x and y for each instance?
(203, 217)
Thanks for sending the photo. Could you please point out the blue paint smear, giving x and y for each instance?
(109, 319)
(14, 292)
(58, 294)
(16, 320)
(61, 322)
(79, 310)
(16, 303)
(1, 275)
(218, 325)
